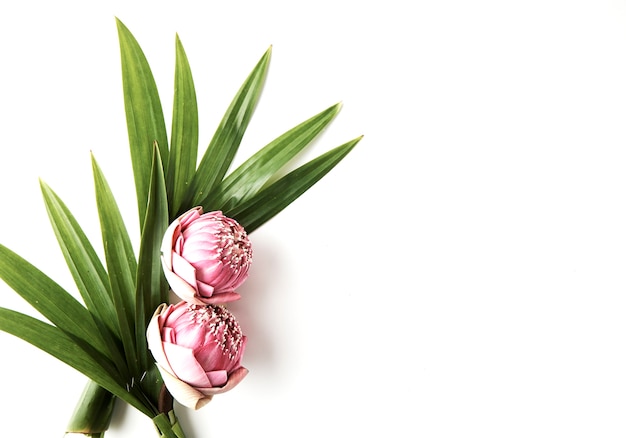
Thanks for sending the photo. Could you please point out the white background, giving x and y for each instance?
(461, 273)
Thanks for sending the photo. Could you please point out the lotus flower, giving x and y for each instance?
(198, 350)
(205, 257)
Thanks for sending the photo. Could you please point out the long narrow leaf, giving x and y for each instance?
(144, 114)
(274, 198)
(121, 264)
(89, 275)
(54, 342)
(227, 138)
(49, 299)
(151, 285)
(184, 142)
(252, 175)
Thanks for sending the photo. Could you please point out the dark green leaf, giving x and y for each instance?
(184, 143)
(54, 342)
(144, 114)
(274, 198)
(88, 272)
(250, 177)
(121, 264)
(151, 285)
(49, 299)
(93, 411)
(227, 138)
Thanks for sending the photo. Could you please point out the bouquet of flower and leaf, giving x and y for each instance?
(133, 341)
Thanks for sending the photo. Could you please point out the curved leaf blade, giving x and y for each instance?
(53, 341)
(274, 198)
(184, 142)
(121, 264)
(49, 299)
(252, 175)
(144, 114)
(151, 285)
(89, 274)
(227, 137)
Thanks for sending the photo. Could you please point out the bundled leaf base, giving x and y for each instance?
(167, 425)
(93, 412)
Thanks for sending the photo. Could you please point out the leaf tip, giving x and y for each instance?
(356, 140)
(267, 55)
(119, 23)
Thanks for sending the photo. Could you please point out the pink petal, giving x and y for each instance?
(177, 312)
(190, 336)
(221, 298)
(182, 289)
(183, 393)
(167, 334)
(212, 358)
(204, 290)
(153, 336)
(207, 267)
(185, 365)
(189, 217)
(183, 269)
(217, 378)
(233, 380)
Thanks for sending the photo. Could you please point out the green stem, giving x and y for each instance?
(93, 411)
(167, 425)
(85, 435)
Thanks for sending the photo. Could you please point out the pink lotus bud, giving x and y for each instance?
(205, 257)
(198, 350)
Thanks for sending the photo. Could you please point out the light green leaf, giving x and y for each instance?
(227, 137)
(151, 285)
(144, 114)
(121, 265)
(49, 299)
(184, 142)
(54, 342)
(250, 177)
(274, 198)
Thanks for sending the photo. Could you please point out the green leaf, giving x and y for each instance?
(49, 299)
(250, 177)
(184, 142)
(54, 342)
(167, 425)
(93, 412)
(274, 198)
(144, 114)
(89, 275)
(227, 137)
(121, 265)
(151, 285)
(86, 268)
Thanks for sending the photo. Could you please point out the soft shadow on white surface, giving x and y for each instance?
(254, 309)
